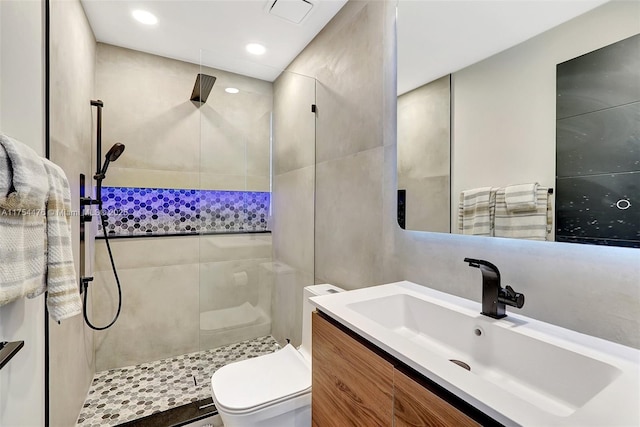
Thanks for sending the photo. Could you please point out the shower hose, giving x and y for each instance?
(103, 220)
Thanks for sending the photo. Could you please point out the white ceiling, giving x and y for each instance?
(435, 37)
(220, 28)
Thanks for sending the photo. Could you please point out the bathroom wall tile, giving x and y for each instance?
(427, 203)
(148, 252)
(345, 58)
(293, 218)
(600, 207)
(155, 178)
(424, 129)
(258, 183)
(159, 316)
(213, 181)
(72, 67)
(594, 81)
(167, 136)
(348, 240)
(294, 124)
(286, 302)
(606, 141)
(147, 108)
(228, 284)
(234, 247)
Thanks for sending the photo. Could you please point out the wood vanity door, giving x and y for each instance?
(352, 386)
(415, 406)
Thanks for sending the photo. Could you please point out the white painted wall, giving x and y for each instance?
(22, 117)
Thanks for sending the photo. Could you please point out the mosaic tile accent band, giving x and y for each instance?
(158, 211)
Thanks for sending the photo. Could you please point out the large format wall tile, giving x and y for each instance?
(72, 72)
(147, 108)
(600, 79)
(159, 316)
(293, 218)
(344, 57)
(294, 124)
(349, 219)
(606, 141)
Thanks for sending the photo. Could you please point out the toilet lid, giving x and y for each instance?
(252, 383)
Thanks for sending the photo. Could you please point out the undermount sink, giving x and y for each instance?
(519, 370)
(544, 374)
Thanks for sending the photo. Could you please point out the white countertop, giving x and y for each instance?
(616, 404)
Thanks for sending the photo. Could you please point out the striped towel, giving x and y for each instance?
(63, 296)
(23, 180)
(521, 197)
(475, 211)
(22, 236)
(532, 225)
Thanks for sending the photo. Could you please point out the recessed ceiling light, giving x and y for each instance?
(255, 48)
(144, 17)
(232, 90)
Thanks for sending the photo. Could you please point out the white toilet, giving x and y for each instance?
(273, 390)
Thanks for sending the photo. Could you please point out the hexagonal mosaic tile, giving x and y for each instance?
(157, 211)
(133, 392)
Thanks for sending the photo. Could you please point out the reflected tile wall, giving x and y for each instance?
(157, 211)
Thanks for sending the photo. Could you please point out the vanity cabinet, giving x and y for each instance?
(414, 405)
(356, 384)
(351, 385)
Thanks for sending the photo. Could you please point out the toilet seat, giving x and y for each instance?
(274, 378)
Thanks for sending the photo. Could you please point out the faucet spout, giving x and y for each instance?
(494, 297)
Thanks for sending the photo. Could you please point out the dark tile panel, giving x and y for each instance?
(605, 207)
(606, 141)
(604, 78)
(601, 242)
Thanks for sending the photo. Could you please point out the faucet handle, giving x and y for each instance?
(511, 297)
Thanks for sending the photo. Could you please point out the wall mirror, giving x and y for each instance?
(479, 111)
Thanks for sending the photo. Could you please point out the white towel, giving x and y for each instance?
(521, 197)
(22, 248)
(23, 180)
(532, 224)
(63, 296)
(475, 211)
(22, 232)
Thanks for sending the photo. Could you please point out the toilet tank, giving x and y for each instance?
(307, 309)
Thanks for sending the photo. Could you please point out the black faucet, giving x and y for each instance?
(494, 297)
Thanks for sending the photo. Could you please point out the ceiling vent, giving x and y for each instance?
(290, 10)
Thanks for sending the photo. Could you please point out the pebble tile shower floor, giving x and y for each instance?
(133, 392)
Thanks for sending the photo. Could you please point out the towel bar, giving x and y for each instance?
(8, 350)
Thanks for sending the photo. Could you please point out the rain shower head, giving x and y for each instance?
(202, 88)
(112, 155)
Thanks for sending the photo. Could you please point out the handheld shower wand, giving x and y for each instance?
(112, 155)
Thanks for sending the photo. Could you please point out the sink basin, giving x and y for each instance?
(544, 374)
(521, 371)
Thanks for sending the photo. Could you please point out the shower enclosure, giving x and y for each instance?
(211, 227)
